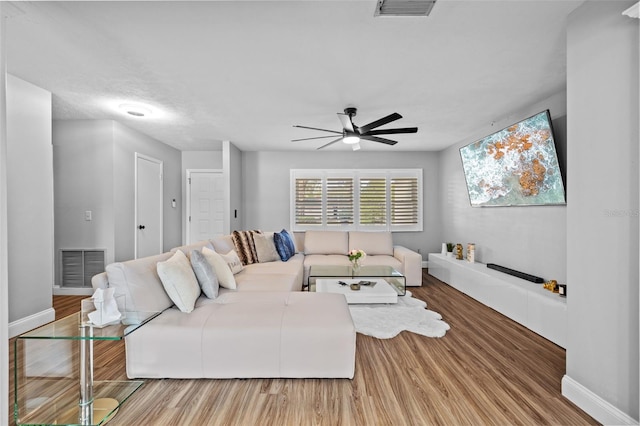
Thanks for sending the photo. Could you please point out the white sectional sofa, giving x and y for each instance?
(266, 327)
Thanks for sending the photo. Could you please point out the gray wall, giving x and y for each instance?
(94, 170)
(83, 169)
(236, 186)
(126, 143)
(29, 199)
(602, 216)
(531, 239)
(266, 187)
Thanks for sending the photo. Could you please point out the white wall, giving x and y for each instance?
(602, 215)
(83, 170)
(29, 202)
(232, 165)
(530, 239)
(126, 143)
(266, 187)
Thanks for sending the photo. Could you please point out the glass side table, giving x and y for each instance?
(52, 360)
(389, 274)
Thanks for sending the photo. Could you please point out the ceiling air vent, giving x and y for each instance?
(404, 7)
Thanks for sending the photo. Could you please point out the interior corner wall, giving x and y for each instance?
(267, 188)
(82, 167)
(603, 211)
(126, 142)
(530, 239)
(29, 201)
(232, 166)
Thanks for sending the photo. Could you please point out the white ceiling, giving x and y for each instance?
(247, 71)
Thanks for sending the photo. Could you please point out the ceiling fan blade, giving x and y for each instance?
(346, 122)
(330, 143)
(308, 139)
(315, 128)
(393, 131)
(381, 122)
(377, 139)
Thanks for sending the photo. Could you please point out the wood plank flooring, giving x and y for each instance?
(487, 370)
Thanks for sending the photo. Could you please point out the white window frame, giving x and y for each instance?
(356, 174)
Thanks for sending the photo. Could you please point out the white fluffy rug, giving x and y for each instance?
(385, 321)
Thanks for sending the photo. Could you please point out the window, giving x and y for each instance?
(356, 199)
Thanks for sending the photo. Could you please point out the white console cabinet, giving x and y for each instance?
(523, 301)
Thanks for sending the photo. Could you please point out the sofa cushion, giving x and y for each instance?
(265, 247)
(326, 242)
(140, 284)
(373, 243)
(284, 244)
(245, 246)
(179, 281)
(205, 274)
(187, 249)
(223, 244)
(222, 270)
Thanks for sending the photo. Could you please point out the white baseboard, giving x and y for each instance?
(32, 321)
(70, 291)
(593, 405)
(425, 264)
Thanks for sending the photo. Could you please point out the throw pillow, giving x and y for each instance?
(265, 247)
(245, 246)
(222, 270)
(179, 281)
(205, 274)
(233, 261)
(284, 245)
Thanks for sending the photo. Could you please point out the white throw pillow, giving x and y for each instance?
(265, 247)
(223, 271)
(179, 281)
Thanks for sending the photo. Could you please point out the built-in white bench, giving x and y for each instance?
(523, 301)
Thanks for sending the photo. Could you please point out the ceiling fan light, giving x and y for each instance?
(351, 139)
(356, 146)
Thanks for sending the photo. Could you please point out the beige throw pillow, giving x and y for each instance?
(179, 281)
(265, 247)
(223, 271)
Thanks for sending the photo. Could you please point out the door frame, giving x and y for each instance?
(187, 216)
(137, 156)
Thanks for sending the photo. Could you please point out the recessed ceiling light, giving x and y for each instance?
(135, 110)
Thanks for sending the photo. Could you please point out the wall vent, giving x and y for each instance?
(404, 7)
(79, 265)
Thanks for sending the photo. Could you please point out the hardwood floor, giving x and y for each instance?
(486, 370)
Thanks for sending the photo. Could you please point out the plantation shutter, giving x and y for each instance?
(339, 201)
(308, 201)
(404, 201)
(373, 201)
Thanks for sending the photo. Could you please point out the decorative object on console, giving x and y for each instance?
(459, 251)
(515, 273)
(101, 309)
(450, 247)
(355, 256)
(444, 248)
(471, 252)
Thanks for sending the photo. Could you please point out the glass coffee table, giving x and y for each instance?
(54, 372)
(395, 279)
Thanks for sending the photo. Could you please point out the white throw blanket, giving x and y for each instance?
(385, 321)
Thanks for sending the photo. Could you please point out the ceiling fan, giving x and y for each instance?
(352, 134)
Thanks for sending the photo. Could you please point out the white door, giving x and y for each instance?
(205, 204)
(148, 206)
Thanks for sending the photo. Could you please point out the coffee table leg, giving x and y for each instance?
(85, 412)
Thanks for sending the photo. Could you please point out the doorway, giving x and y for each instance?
(148, 206)
(205, 204)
